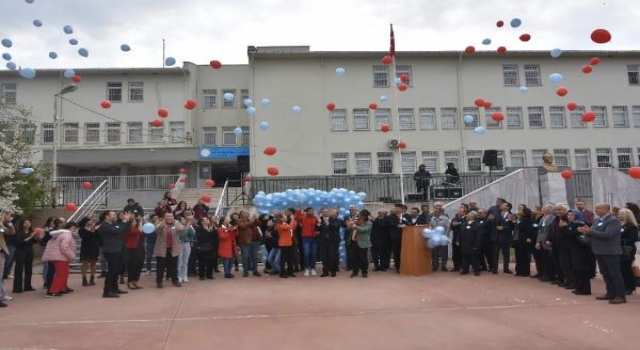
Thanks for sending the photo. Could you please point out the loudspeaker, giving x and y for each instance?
(490, 157)
(439, 193)
(243, 164)
(455, 192)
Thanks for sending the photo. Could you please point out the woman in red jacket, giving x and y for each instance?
(134, 244)
(227, 245)
(285, 243)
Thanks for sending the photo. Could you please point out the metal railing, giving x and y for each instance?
(96, 199)
(129, 182)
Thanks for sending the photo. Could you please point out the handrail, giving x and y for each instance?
(483, 187)
(179, 185)
(91, 202)
(220, 201)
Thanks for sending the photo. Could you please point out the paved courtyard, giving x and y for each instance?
(385, 311)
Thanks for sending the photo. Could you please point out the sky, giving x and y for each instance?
(199, 31)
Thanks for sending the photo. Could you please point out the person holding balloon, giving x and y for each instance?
(360, 242)
(227, 246)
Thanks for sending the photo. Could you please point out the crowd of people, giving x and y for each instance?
(566, 244)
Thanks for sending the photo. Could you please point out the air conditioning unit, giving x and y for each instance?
(393, 143)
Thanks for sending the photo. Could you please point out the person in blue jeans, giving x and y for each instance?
(309, 222)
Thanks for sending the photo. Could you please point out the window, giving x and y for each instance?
(624, 158)
(135, 132)
(452, 157)
(500, 165)
(246, 136)
(113, 132)
(427, 118)
(209, 135)
(404, 69)
(633, 72)
(510, 74)
(244, 95)
(339, 120)
(48, 132)
(620, 116)
(430, 161)
(228, 136)
(408, 162)
(136, 91)
(114, 91)
(28, 133)
(518, 158)
(601, 116)
(8, 93)
(536, 117)
(339, 161)
(449, 117)
(360, 119)
(210, 98)
(156, 134)
(70, 132)
(230, 103)
(385, 162)
(556, 116)
(176, 131)
(638, 150)
(561, 157)
(363, 163)
(603, 157)
(635, 111)
(406, 119)
(537, 156)
(582, 158)
(492, 124)
(514, 117)
(474, 160)
(472, 111)
(380, 76)
(576, 117)
(383, 116)
(91, 132)
(532, 74)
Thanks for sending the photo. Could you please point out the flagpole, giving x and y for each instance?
(394, 107)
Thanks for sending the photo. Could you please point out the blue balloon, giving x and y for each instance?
(27, 171)
(247, 102)
(384, 98)
(555, 53)
(516, 22)
(29, 1)
(73, 41)
(37, 23)
(6, 56)
(228, 96)
(480, 130)
(11, 65)
(468, 119)
(67, 29)
(340, 71)
(439, 230)
(69, 73)
(53, 55)
(83, 52)
(427, 233)
(523, 89)
(237, 131)
(486, 41)
(27, 73)
(251, 111)
(296, 109)
(7, 43)
(556, 77)
(398, 81)
(170, 61)
(265, 102)
(125, 47)
(264, 126)
(148, 228)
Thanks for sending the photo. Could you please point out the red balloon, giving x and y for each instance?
(215, 64)
(587, 69)
(70, 206)
(273, 171)
(172, 186)
(499, 24)
(562, 91)
(39, 231)
(487, 104)
(572, 106)
(402, 144)
(402, 87)
(502, 50)
(163, 112)
(470, 50)
(385, 128)
(190, 104)
(634, 172)
(588, 117)
(105, 104)
(497, 116)
(182, 171)
(209, 183)
(525, 37)
(247, 178)
(594, 61)
(206, 198)
(479, 102)
(404, 78)
(87, 185)
(387, 59)
(183, 180)
(157, 123)
(600, 36)
(373, 106)
(331, 106)
(76, 78)
(566, 174)
(270, 150)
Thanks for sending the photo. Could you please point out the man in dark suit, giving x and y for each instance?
(380, 242)
(504, 233)
(469, 241)
(456, 226)
(485, 227)
(395, 223)
(605, 243)
(112, 235)
(425, 216)
(328, 227)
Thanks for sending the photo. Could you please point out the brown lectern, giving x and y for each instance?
(415, 259)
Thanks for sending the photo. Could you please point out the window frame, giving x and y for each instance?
(226, 131)
(113, 129)
(562, 153)
(511, 112)
(554, 110)
(91, 133)
(532, 69)
(208, 132)
(510, 77)
(175, 127)
(112, 88)
(360, 159)
(134, 129)
(633, 74)
(233, 102)
(451, 115)
(380, 70)
(601, 115)
(405, 69)
(155, 133)
(533, 111)
(425, 114)
(620, 112)
(474, 161)
(337, 115)
(133, 89)
(578, 155)
(47, 130)
(385, 162)
(359, 115)
(380, 115)
(340, 163)
(603, 157)
(624, 152)
(209, 98)
(409, 114)
(518, 154)
(9, 89)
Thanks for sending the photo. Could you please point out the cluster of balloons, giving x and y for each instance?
(340, 198)
(436, 237)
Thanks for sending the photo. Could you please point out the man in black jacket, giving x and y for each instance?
(380, 242)
(328, 227)
(112, 236)
(469, 241)
(504, 222)
(422, 177)
(395, 223)
(134, 208)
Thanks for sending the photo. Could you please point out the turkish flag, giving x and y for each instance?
(392, 43)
